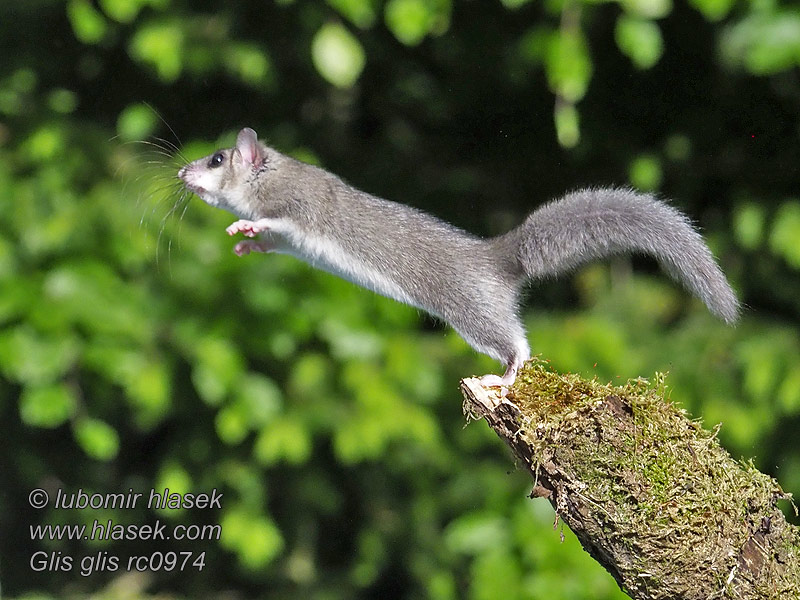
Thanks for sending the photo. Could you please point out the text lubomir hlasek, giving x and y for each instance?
(157, 499)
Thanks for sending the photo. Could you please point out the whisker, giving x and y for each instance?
(170, 213)
(167, 199)
(161, 194)
(181, 196)
(157, 205)
(184, 197)
(185, 200)
(173, 148)
(160, 191)
(171, 130)
(167, 151)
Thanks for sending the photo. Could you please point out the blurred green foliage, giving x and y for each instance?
(137, 352)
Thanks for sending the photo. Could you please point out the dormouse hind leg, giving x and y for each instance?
(513, 366)
(505, 381)
(503, 338)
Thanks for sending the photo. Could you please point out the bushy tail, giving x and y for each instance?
(597, 223)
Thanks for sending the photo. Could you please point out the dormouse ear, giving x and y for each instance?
(248, 147)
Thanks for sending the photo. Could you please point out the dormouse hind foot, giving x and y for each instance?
(504, 382)
(249, 228)
(494, 381)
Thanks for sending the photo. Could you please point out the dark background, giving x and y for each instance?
(136, 352)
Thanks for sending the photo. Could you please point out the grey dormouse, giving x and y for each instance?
(471, 283)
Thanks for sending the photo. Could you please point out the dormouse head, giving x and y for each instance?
(227, 178)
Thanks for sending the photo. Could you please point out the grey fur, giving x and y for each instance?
(471, 283)
(596, 223)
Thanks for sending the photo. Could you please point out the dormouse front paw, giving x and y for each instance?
(247, 246)
(249, 228)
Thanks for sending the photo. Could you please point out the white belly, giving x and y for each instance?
(329, 256)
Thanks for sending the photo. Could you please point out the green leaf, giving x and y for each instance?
(254, 537)
(372, 557)
(337, 55)
(360, 13)
(218, 367)
(789, 392)
(475, 532)
(124, 11)
(648, 9)
(533, 45)
(249, 63)
(748, 225)
(47, 406)
(98, 439)
(645, 173)
(762, 360)
(496, 565)
(30, 357)
(408, 20)
(785, 235)
(514, 4)
(260, 398)
(91, 293)
(160, 44)
(145, 378)
(209, 386)
(568, 65)
(15, 298)
(567, 121)
(232, 424)
(176, 479)
(173, 476)
(441, 585)
(358, 439)
(23, 80)
(149, 388)
(283, 439)
(62, 101)
(764, 42)
(309, 375)
(350, 342)
(45, 143)
(640, 40)
(713, 10)
(136, 122)
(88, 24)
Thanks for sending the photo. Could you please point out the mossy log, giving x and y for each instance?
(650, 493)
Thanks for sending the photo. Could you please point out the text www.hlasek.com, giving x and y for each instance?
(109, 530)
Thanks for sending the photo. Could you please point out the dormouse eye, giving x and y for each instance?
(216, 160)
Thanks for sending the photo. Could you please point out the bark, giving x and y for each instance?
(650, 494)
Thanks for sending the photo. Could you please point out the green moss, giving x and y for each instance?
(654, 486)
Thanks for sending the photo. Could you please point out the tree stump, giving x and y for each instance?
(650, 493)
